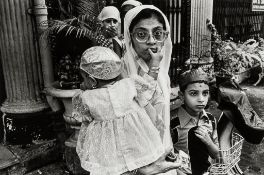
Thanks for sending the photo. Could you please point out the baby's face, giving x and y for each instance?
(196, 97)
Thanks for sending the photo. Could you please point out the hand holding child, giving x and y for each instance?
(160, 165)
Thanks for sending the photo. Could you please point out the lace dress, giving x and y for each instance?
(117, 135)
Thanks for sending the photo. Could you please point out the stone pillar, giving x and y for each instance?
(2, 98)
(201, 13)
(20, 59)
(201, 10)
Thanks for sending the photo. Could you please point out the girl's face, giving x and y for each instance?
(195, 98)
(151, 27)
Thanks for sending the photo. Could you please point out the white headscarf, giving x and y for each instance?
(109, 12)
(131, 2)
(132, 62)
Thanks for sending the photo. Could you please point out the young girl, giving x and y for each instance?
(117, 135)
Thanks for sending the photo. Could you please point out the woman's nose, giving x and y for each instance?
(151, 40)
(112, 23)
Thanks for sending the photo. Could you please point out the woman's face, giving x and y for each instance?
(151, 26)
(110, 26)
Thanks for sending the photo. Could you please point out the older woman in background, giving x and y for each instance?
(110, 18)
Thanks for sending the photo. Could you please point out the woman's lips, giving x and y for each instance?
(154, 50)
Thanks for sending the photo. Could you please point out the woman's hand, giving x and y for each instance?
(156, 57)
(155, 62)
(159, 166)
(111, 32)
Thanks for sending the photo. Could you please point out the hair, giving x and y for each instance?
(184, 87)
(146, 14)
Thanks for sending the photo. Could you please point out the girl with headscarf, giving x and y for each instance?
(110, 18)
(146, 35)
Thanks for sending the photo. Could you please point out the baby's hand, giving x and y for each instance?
(202, 133)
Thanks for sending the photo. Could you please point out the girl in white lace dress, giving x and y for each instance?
(117, 135)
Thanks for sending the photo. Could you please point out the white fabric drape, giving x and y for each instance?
(132, 62)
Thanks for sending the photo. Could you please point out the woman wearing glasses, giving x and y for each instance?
(148, 52)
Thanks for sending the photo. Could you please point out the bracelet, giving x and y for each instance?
(154, 68)
(154, 71)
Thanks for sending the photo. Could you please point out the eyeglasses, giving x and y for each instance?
(143, 36)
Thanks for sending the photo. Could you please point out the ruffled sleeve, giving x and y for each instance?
(80, 111)
(149, 98)
(145, 87)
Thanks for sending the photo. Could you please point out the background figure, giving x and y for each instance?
(147, 33)
(110, 18)
(125, 7)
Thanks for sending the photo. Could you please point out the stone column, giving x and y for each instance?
(20, 59)
(201, 11)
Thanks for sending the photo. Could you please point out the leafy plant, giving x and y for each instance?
(69, 33)
(235, 59)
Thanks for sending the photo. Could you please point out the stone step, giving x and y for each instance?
(7, 159)
(23, 159)
(56, 168)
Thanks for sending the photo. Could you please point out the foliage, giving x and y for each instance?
(234, 59)
(70, 31)
(83, 26)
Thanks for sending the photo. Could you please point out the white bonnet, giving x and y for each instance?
(101, 63)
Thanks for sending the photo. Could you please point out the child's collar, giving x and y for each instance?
(185, 117)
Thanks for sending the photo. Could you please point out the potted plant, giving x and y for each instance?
(237, 60)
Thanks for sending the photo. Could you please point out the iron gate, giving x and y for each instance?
(178, 14)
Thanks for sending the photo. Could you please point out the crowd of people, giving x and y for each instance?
(124, 105)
